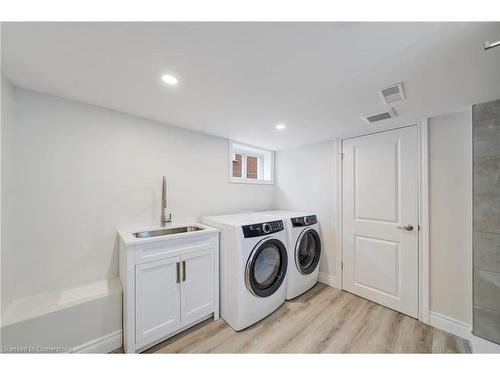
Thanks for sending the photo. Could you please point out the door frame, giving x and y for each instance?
(423, 213)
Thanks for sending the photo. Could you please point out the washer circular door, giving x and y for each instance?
(307, 251)
(266, 267)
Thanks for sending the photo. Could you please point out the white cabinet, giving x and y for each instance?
(157, 299)
(169, 285)
(197, 288)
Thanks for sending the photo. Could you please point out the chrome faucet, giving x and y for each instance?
(164, 219)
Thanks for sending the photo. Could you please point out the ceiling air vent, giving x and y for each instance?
(393, 93)
(380, 116)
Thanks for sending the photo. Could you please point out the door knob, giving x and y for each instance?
(407, 227)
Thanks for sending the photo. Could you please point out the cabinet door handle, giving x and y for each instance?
(183, 270)
(178, 266)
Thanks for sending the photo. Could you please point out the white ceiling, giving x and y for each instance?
(237, 80)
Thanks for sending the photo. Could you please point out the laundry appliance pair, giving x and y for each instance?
(265, 259)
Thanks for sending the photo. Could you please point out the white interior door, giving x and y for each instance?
(380, 218)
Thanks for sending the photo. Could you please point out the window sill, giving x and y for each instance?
(235, 180)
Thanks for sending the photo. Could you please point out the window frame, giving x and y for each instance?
(259, 153)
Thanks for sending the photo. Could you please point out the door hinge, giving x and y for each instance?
(341, 155)
(341, 265)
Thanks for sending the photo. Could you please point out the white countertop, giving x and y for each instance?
(127, 235)
(237, 220)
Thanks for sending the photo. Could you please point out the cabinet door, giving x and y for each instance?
(197, 296)
(158, 297)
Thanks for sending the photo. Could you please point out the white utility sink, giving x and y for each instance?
(144, 235)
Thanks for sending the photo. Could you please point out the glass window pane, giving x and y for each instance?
(307, 250)
(267, 265)
(252, 163)
(237, 165)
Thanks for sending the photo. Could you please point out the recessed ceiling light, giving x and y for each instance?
(280, 126)
(169, 79)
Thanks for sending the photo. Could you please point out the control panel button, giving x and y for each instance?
(262, 229)
(304, 221)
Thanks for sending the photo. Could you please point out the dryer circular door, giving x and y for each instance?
(266, 267)
(307, 251)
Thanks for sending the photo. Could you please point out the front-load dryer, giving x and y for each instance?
(304, 250)
(253, 266)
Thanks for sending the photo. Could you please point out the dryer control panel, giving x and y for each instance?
(304, 221)
(262, 229)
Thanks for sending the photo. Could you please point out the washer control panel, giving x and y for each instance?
(262, 229)
(304, 221)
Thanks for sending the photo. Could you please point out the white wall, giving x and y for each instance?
(450, 195)
(77, 173)
(305, 180)
(7, 124)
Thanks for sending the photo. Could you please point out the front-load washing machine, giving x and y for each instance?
(253, 266)
(304, 250)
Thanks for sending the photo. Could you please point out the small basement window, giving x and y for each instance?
(250, 165)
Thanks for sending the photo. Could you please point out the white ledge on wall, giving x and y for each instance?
(104, 344)
(480, 345)
(236, 180)
(31, 307)
(329, 280)
(450, 325)
(90, 314)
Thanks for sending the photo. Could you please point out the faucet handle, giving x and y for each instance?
(167, 216)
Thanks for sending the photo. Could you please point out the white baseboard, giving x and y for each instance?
(450, 325)
(480, 345)
(104, 344)
(328, 280)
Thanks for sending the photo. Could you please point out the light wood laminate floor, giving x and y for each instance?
(323, 320)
